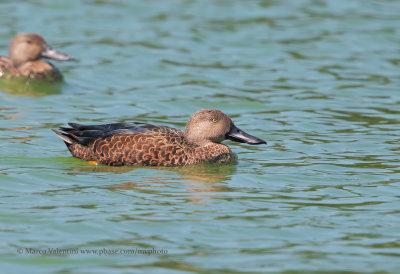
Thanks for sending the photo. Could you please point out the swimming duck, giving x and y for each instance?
(26, 50)
(141, 144)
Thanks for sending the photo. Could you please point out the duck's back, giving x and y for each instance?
(6, 67)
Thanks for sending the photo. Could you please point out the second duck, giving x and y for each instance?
(26, 50)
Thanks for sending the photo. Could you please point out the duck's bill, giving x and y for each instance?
(49, 52)
(238, 135)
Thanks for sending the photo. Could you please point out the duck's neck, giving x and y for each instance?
(193, 139)
(17, 63)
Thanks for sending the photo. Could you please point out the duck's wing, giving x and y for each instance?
(124, 143)
(87, 134)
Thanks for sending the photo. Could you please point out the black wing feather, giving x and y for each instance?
(87, 134)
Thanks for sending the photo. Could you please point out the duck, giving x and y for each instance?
(142, 144)
(26, 50)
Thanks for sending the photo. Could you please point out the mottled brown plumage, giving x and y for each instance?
(26, 50)
(142, 144)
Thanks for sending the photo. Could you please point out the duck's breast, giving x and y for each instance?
(212, 152)
(40, 70)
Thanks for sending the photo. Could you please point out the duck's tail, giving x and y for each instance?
(76, 145)
(81, 134)
(67, 138)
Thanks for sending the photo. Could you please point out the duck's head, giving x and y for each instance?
(25, 47)
(211, 125)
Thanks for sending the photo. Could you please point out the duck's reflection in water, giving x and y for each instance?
(201, 180)
(32, 88)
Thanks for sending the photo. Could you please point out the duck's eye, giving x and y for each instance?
(214, 120)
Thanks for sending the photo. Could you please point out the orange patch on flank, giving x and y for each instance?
(93, 163)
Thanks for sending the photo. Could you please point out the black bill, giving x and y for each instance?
(237, 135)
(49, 52)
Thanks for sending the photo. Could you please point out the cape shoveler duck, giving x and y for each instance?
(26, 50)
(141, 144)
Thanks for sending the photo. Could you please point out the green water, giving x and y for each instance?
(319, 80)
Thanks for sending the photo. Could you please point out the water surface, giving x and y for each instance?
(319, 80)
